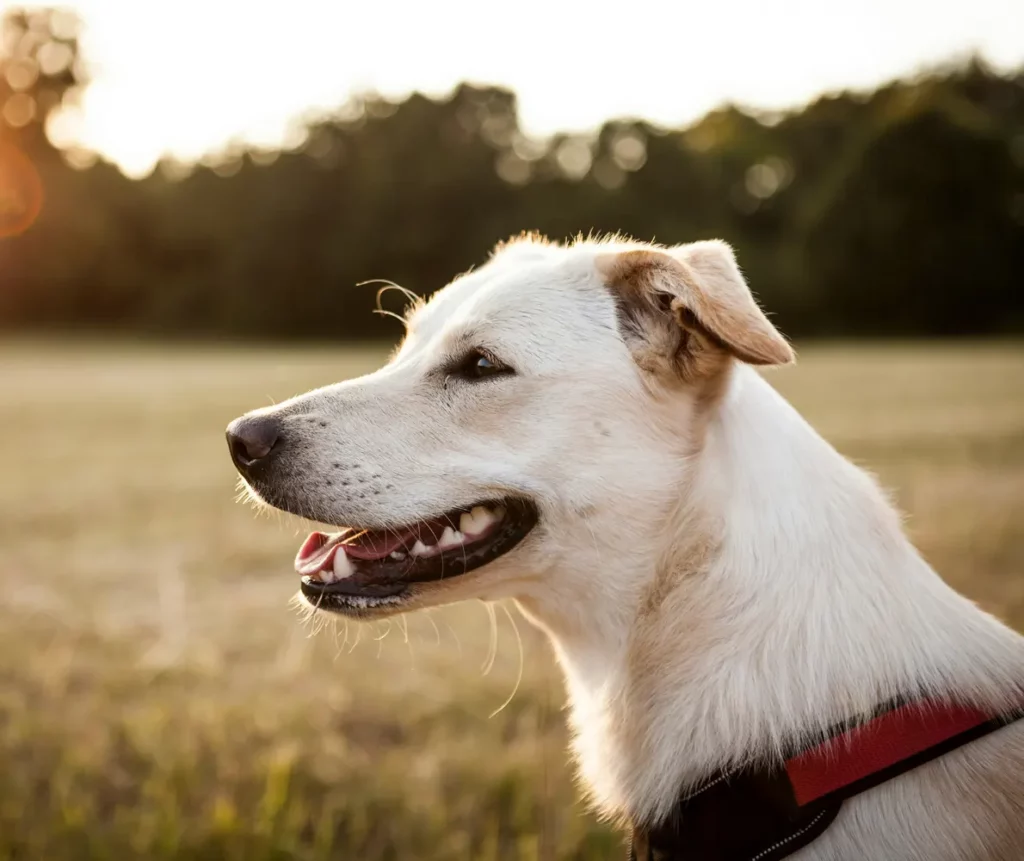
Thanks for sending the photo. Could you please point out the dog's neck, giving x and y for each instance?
(785, 598)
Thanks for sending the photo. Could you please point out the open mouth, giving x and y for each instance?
(355, 569)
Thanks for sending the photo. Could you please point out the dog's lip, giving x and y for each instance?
(351, 587)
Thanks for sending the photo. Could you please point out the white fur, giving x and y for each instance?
(819, 609)
(716, 580)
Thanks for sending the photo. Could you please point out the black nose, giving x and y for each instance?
(252, 439)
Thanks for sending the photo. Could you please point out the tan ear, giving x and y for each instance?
(699, 286)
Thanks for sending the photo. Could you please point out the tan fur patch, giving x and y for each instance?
(685, 562)
(694, 309)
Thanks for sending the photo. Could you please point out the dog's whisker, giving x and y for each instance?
(429, 613)
(359, 634)
(404, 622)
(392, 314)
(492, 650)
(408, 643)
(414, 301)
(339, 646)
(519, 676)
(380, 639)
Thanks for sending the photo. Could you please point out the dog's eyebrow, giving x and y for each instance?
(461, 340)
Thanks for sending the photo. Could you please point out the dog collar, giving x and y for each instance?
(767, 813)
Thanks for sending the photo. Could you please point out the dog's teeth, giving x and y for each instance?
(477, 520)
(484, 517)
(451, 538)
(325, 576)
(342, 565)
(418, 549)
(398, 555)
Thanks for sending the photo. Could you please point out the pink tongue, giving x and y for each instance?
(317, 552)
(377, 545)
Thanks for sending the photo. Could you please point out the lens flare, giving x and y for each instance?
(21, 191)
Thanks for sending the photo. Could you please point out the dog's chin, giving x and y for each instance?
(371, 573)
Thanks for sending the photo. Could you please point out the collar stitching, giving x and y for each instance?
(792, 836)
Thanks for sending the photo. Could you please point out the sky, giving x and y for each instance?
(187, 77)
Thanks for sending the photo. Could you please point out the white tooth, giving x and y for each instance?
(451, 538)
(483, 518)
(476, 521)
(398, 555)
(325, 576)
(447, 538)
(418, 549)
(342, 565)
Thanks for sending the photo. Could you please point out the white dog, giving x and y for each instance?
(579, 429)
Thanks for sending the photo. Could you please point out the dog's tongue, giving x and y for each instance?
(319, 548)
(317, 552)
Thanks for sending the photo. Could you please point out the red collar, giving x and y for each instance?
(764, 814)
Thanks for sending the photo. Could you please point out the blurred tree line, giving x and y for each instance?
(890, 213)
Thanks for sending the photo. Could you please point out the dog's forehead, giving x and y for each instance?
(519, 294)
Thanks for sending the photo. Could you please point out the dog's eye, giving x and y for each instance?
(477, 365)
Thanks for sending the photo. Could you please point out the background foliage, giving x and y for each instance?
(899, 211)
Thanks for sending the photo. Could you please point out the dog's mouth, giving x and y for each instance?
(360, 569)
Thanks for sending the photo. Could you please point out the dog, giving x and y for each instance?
(581, 428)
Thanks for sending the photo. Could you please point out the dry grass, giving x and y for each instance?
(159, 699)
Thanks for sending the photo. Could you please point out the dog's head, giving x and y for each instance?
(535, 424)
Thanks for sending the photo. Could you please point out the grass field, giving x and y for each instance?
(159, 699)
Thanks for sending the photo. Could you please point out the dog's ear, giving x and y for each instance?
(687, 304)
